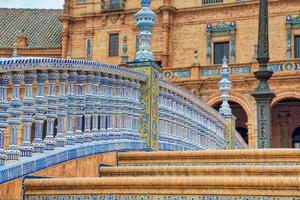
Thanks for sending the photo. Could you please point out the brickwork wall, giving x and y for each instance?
(181, 28)
(187, 23)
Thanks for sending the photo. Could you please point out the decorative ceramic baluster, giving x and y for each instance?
(103, 82)
(124, 130)
(80, 104)
(62, 107)
(28, 118)
(103, 116)
(15, 111)
(41, 108)
(225, 87)
(110, 101)
(145, 21)
(121, 106)
(90, 101)
(4, 115)
(97, 106)
(126, 89)
(52, 110)
(71, 111)
(131, 90)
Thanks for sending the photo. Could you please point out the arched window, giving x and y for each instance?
(296, 138)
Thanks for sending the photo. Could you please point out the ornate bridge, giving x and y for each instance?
(55, 110)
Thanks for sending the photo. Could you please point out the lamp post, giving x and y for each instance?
(263, 95)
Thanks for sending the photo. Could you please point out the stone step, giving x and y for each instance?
(247, 157)
(167, 186)
(264, 171)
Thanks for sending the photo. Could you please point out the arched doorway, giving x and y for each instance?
(285, 120)
(241, 118)
(296, 138)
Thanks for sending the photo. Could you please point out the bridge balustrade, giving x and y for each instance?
(80, 101)
(185, 119)
(55, 110)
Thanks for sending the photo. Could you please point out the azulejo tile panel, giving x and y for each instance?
(182, 74)
(240, 70)
(154, 197)
(210, 72)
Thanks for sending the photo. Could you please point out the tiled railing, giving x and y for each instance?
(54, 110)
(184, 117)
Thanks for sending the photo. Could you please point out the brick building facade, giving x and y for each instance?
(188, 40)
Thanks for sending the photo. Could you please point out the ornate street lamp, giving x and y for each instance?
(263, 95)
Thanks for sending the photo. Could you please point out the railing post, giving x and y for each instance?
(80, 104)
(41, 108)
(103, 114)
(96, 108)
(52, 110)
(225, 110)
(4, 115)
(13, 151)
(90, 100)
(28, 118)
(110, 115)
(71, 110)
(150, 103)
(62, 107)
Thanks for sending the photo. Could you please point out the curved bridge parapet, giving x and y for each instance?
(55, 110)
(184, 117)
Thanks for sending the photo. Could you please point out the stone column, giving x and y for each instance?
(15, 111)
(28, 118)
(41, 109)
(4, 115)
(62, 108)
(263, 94)
(52, 110)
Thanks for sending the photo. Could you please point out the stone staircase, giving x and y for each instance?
(201, 175)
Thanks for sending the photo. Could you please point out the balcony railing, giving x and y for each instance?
(112, 5)
(211, 2)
